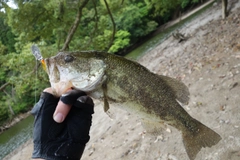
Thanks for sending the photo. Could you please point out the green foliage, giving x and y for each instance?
(3, 112)
(121, 40)
(18, 70)
(3, 49)
(7, 37)
(32, 22)
(135, 20)
(165, 9)
(3, 70)
(23, 74)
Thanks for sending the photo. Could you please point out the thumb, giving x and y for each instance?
(61, 112)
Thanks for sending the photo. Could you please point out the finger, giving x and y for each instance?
(48, 90)
(61, 112)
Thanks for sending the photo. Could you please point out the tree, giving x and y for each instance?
(166, 9)
(75, 25)
(7, 37)
(224, 8)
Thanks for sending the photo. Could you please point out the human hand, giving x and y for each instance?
(61, 140)
(65, 103)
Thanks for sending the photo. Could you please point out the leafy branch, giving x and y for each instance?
(114, 25)
(4, 86)
(74, 26)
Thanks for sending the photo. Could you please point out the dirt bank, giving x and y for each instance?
(209, 63)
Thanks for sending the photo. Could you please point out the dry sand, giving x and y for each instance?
(209, 63)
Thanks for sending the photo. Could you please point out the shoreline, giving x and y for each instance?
(8, 124)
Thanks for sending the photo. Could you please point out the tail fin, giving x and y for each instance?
(204, 137)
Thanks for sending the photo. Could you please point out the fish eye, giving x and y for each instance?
(68, 58)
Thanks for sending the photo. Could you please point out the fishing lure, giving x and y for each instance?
(37, 54)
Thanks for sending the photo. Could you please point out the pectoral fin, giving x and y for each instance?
(105, 100)
(106, 104)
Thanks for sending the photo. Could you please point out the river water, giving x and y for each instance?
(22, 131)
(15, 136)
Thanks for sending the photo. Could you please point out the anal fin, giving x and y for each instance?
(153, 127)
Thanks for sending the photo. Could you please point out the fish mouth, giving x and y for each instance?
(52, 71)
(59, 87)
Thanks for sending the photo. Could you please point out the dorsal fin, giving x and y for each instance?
(179, 89)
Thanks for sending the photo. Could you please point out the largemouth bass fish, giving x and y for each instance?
(154, 98)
